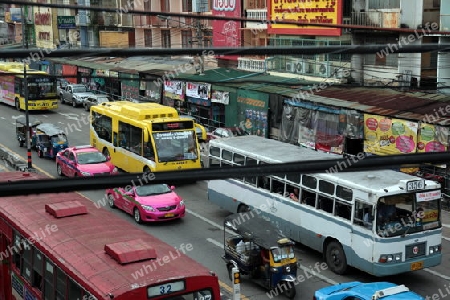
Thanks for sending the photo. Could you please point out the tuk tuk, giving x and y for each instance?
(48, 140)
(21, 129)
(259, 249)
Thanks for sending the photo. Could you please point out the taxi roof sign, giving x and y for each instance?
(390, 291)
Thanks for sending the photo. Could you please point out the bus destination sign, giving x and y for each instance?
(188, 124)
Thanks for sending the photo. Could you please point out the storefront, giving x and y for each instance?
(198, 96)
(174, 95)
(129, 86)
(70, 73)
(223, 102)
(84, 75)
(151, 88)
(252, 112)
(113, 85)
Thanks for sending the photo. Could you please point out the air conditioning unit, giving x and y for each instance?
(301, 67)
(323, 69)
(290, 67)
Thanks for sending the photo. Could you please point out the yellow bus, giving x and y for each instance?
(144, 137)
(42, 94)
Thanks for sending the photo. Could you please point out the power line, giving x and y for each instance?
(114, 52)
(17, 188)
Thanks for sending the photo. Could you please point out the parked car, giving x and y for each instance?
(224, 132)
(75, 94)
(61, 85)
(83, 161)
(95, 100)
(148, 203)
(366, 291)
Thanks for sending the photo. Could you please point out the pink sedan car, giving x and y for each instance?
(148, 203)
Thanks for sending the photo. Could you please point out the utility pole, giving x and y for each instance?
(199, 38)
(27, 117)
(24, 29)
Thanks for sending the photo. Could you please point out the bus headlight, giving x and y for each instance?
(148, 208)
(389, 258)
(434, 249)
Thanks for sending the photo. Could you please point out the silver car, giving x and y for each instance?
(95, 100)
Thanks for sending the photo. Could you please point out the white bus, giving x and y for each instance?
(382, 222)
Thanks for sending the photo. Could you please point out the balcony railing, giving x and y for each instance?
(382, 19)
(257, 14)
(254, 64)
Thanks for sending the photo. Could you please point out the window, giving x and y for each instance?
(60, 284)
(326, 204)
(102, 126)
(293, 177)
(238, 159)
(165, 38)
(309, 181)
(38, 263)
(326, 187)
(75, 292)
(49, 288)
(148, 36)
(344, 193)
(147, 5)
(186, 38)
(308, 198)
(130, 138)
(27, 258)
(277, 186)
(363, 215)
(343, 210)
(264, 182)
(17, 250)
(436, 3)
(17, 86)
(187, 5)
(214, 151)
(227, 155)
(252, 179)
(165, 6)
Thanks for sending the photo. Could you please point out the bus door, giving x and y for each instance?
(5, 268)
(121, 150)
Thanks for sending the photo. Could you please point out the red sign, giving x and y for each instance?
(42, 19)
(227, 33)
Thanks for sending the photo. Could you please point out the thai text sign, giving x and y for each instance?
(66, 22)
(305, 11)
(227, 33)
(386, 136)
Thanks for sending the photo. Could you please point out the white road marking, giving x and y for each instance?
(446, 238)
(213, 241)
(70, 116)
(446, 225)
(437, 274)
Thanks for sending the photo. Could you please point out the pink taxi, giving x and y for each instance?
(83, 161)
(148, 203)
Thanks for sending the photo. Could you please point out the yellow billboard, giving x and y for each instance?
(386, 136)
(432, 138)
(309, 12)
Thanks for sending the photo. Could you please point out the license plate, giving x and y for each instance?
(168, 215)
(417, 266)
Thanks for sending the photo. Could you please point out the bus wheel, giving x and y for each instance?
(243, 208)
(105, 152)
(335, 258)
(137, 215)
(17, 104)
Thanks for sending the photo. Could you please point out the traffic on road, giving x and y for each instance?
(202, 224)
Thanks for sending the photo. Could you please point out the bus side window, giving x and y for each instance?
(38, 264)
(343, 210)
(363, 214)
(326, 204)
(18, 250)
(49, 288)
(115, 142)
(309, 198)
(277, 186)
(264, 182)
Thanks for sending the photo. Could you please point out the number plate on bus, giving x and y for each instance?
(415, 185)
(417, 266)
(168, 215)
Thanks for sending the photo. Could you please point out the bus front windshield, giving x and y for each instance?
(282, 253)
(175, 145)
(407, 213)
(41, 90)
